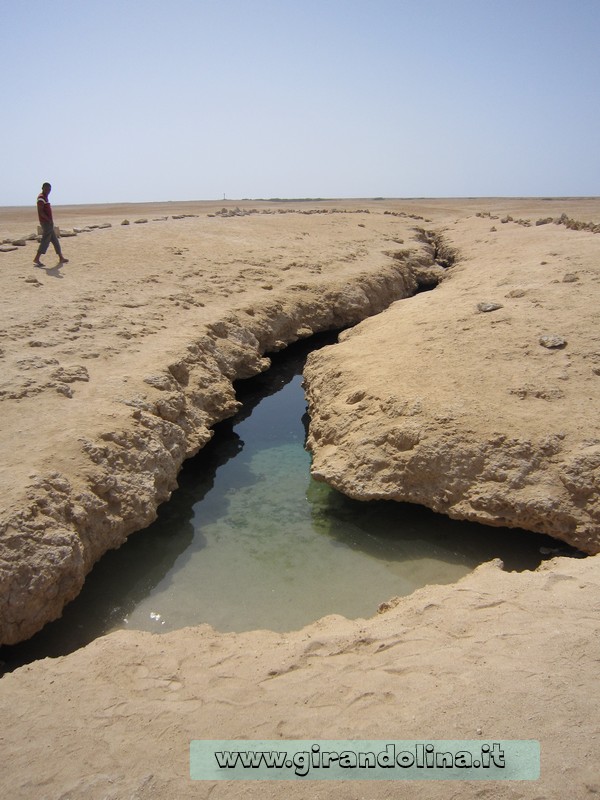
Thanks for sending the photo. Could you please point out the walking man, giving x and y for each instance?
(47, 223)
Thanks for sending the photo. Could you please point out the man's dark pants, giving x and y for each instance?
(49, 236)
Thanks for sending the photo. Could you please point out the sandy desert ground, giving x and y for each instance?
(114, 368)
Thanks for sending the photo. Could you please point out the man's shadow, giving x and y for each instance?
(53, 272)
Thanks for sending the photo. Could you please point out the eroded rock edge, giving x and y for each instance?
(67, 522)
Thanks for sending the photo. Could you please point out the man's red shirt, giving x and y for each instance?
(44, 208)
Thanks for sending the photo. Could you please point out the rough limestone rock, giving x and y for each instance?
(551, 340)
(432, 402)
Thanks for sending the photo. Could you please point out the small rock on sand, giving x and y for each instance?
(552, 340)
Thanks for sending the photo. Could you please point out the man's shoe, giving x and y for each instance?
(37, 263)
(63, 260)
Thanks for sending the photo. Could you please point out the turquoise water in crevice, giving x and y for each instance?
(249, 540)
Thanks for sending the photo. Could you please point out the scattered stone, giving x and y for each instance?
(34, 281)
(355, 397)
(577, 225)
(64, 234)
(545, 221)
(36, 362)
(19, 242)
(140, 221)
(62, 388)
(570, 277)
(552, 340)
(485, 307)
(162, 382)
(105, 225)
(539, 392)
(6, 248)
(125, 222)
(71, 374)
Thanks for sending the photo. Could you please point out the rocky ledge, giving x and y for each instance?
(480, 399)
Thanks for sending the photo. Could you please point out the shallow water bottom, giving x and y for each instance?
(284, 550)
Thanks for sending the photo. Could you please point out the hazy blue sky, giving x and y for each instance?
(193, 99)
